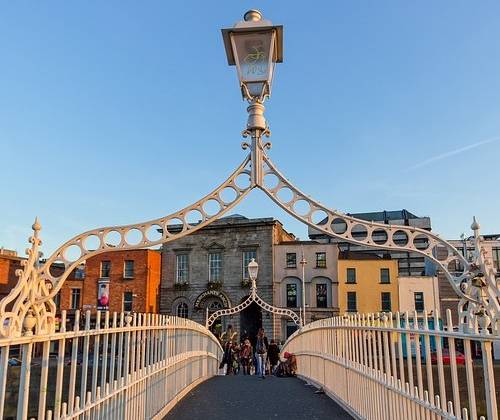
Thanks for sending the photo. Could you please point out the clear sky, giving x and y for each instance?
(117, 112)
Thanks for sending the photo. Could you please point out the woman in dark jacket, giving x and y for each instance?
(273, 354)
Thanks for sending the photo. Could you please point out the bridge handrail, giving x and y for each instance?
(107, 366)
(362, 362)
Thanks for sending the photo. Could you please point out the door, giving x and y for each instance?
(250, 322)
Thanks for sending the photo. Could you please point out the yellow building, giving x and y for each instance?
(367, 284)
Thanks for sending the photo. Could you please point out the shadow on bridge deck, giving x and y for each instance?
(249, 397)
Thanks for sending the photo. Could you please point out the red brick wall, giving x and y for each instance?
(8, 278)
(144, 285)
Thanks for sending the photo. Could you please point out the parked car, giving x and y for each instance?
(459, 357)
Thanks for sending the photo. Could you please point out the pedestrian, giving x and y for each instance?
(229, 334)
(261, 346)
(246, 356)
(273, 354)
(227, 358)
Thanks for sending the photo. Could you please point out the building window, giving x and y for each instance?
(247, 257)
(128, 301)
(75, 298)
(352, 305)
(291, 260)
(320, 259)
(128, 269)
(291, 295)
(351, 275)
(321, 295)
(386, 301)
(182, 268)
(291, 327)
(419, 301)
(384, 276)
(57, 300)
(215, 267)
(182, 310)
(496, 259)
(105, 269)
(80, 273)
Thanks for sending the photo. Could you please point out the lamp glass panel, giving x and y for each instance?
(253, 53)
(253, 270)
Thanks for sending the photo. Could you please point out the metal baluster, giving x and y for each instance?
(42, 400)
(4, 366)
(86, 339)
(74, 361)
(428, 362)
(24, 383)
(439, 354)
(470, 380)
(418, 356)
(96, 354)
(105, 353)
(453, 363)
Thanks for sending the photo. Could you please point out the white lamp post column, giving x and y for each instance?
(303, 263)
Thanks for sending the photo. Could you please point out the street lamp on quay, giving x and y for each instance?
(303, 263)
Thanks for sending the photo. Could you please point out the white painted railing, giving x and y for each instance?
(385, 366)
(123, 367)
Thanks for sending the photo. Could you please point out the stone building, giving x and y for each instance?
(320, 280)
(207, 270)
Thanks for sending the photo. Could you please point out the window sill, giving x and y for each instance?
(384, 282)
(293, 267)
(128, 278)
(351, 282)
(321, 266)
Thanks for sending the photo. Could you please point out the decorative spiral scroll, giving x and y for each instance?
(18, 311)
(372, 234)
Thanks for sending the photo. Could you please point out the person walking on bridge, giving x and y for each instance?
(261, 347)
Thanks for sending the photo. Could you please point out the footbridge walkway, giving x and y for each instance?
(146, 366)
(250, 397)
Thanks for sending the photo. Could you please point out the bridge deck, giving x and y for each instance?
(249, 397)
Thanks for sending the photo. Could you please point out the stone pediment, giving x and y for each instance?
(214, 246)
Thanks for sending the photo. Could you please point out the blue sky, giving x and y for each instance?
(117, 112)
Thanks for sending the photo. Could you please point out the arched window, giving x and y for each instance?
(182, 310)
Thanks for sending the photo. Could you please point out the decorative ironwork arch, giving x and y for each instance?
(29, 307)
(254, 297)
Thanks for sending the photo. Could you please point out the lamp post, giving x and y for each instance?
(254, 46)
(303, 263)
(253, 270)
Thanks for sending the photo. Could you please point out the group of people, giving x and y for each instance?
(261, 360)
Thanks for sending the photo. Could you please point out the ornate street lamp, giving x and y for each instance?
(254, 45)
(253, 270)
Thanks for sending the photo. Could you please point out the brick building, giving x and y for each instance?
(116, 281)
(9, 263)
(207, 270)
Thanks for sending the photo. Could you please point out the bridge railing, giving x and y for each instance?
(399, 366)
(105, 366)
